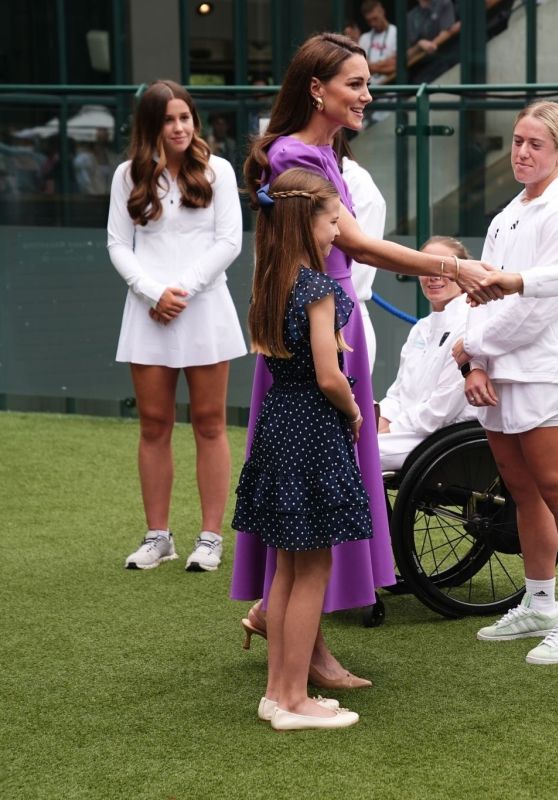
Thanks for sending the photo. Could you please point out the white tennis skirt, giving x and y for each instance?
(521, 407)
(206, 332)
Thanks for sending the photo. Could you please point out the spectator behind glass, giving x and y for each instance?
(427, 393)
(380, 42)
(352, 30)
(219, 141)
(426, 21)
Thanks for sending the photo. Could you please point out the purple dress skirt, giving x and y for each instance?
(359, 567)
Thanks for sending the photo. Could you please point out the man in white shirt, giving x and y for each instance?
(380, 42)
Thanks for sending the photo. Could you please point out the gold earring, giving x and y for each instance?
(318, 103)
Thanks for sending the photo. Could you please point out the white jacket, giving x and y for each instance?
(370, 212)
(540, 282)
(516, 339)
(428, 391)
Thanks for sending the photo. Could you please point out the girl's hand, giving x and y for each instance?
(479, 389)
(471, 277)
(156, 317)
(355, 428)
(171, 303)
(459, 353)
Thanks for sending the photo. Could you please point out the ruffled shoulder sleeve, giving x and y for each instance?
(310, 287)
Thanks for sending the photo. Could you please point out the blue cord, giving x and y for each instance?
(393, 309)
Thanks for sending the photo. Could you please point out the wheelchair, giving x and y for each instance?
(453, 528)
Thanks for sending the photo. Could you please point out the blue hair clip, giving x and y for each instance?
(264, 199)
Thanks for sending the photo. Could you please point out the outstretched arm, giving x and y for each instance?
(397, 258)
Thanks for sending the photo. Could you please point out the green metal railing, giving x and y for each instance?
(422, 101)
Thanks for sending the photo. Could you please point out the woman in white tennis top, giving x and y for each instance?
(511, 350)
(174, 227)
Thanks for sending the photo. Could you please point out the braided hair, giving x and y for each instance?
(284, 240)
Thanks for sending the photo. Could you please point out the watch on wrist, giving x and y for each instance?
(465, 368)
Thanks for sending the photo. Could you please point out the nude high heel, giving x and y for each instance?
(347, 681)
(253, 625)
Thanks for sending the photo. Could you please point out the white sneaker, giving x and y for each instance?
(546, 652)
(152, 552)
(519, 623)
(207, 553)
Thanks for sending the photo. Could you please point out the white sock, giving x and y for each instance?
(542, 595)
(164, 534)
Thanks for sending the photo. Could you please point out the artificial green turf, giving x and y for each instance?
(131, 684)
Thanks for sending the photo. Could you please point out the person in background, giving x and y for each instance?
(174, 227)
(380, 42)
(352, 30)
(370, 211)
(428, 24)
(427, 393)
(219, 141)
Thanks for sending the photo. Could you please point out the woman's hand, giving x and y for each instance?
(479, 389)
(459, 353)
(383, 425)
(170, 305)
(355, 428)
(471, 277)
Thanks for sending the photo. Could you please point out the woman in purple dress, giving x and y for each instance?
(325, 89)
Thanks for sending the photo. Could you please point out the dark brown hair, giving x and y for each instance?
(321, 56)
(284, 235)
(144, 204)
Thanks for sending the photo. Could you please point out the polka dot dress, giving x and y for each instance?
(301, 488)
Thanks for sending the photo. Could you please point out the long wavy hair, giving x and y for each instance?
(284, 236)
(321, 56)
(144, 204)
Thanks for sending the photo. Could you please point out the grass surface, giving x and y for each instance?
(130, 684)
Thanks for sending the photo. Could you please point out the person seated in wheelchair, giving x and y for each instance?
(427, 393)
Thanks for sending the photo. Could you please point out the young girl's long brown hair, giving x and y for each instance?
(144, 204)
(284, 236)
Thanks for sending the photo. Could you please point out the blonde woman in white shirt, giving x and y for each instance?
(174, 227)
(511, 350)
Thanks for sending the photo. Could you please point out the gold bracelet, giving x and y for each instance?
(442, 268)
(457, 265)
(356, 419)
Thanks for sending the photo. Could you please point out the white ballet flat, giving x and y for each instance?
(267, 707)
(287, 721)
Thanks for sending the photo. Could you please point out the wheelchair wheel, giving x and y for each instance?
(454, 530)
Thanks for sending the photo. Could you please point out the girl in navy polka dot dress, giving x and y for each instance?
(300, 490)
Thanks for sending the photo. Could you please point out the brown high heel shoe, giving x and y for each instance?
(254, 625)
(348, 681)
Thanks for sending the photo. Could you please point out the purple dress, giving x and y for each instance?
(359, 567)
